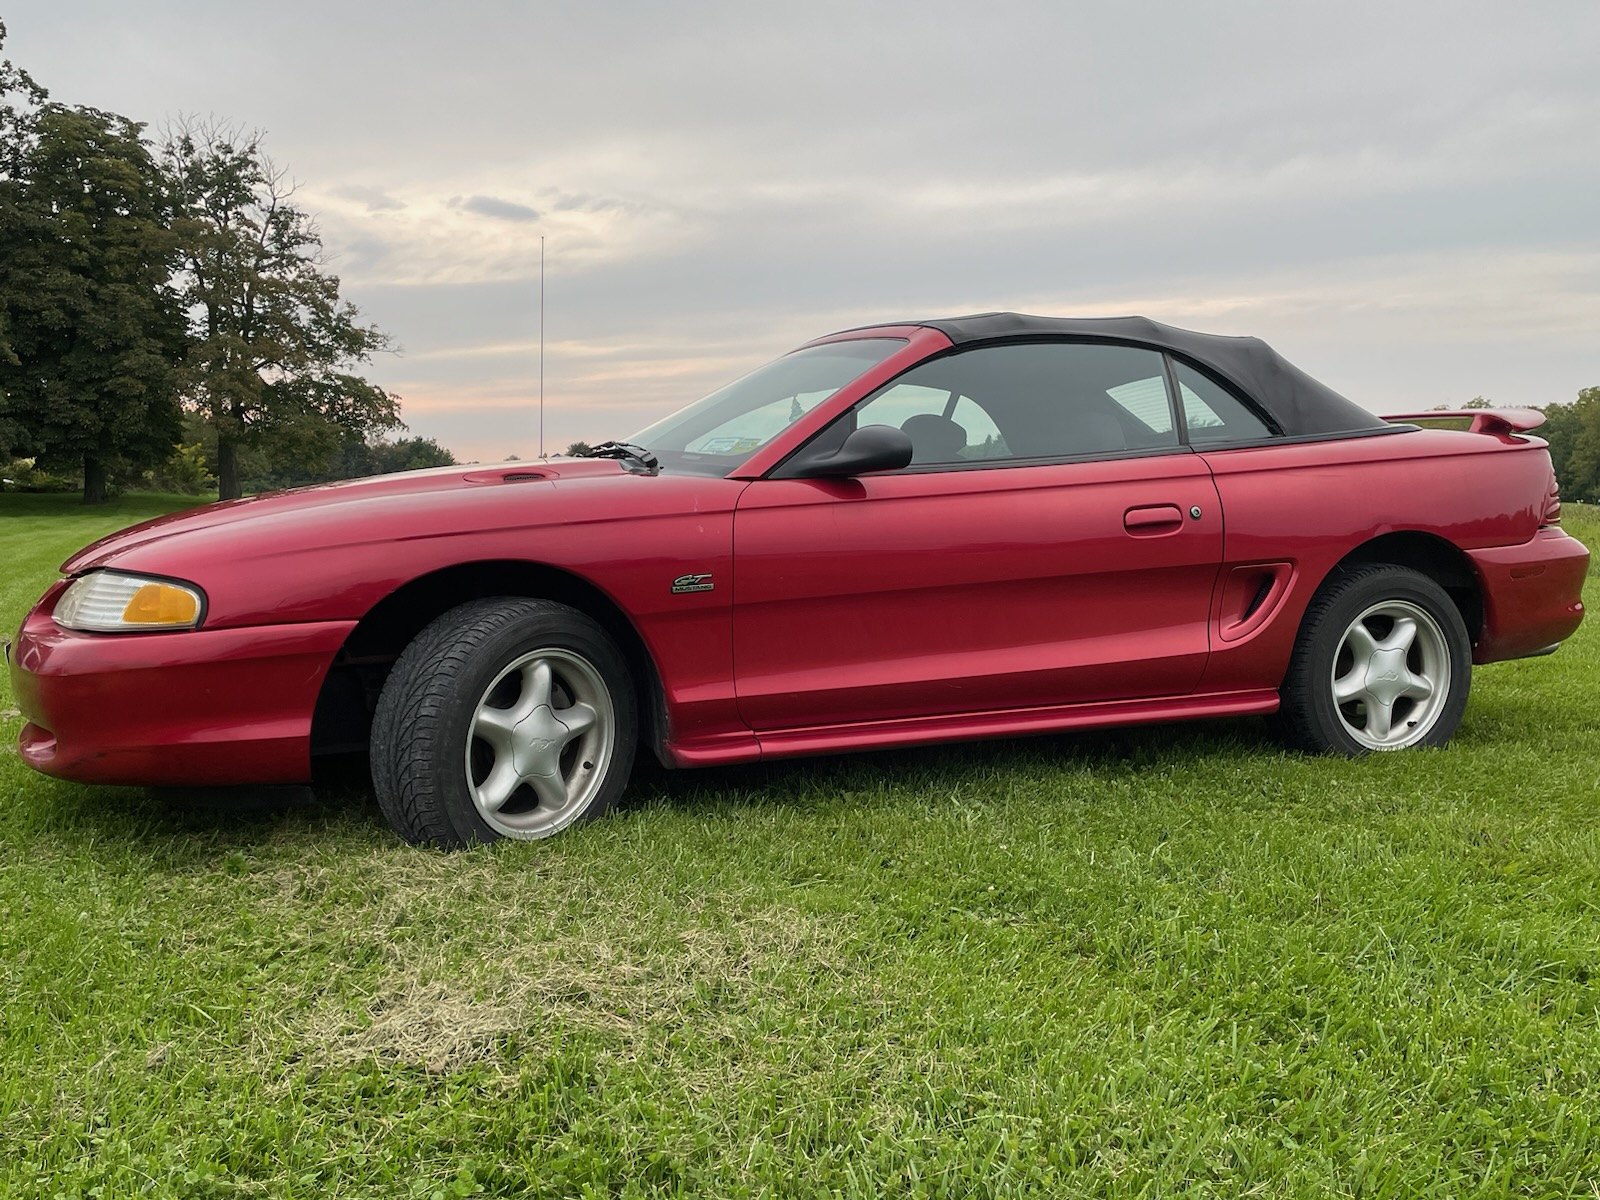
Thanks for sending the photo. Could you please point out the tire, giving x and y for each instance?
(504, 718)
(1383, 662)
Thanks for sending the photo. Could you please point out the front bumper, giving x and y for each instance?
(219, 706)
(1532, 595)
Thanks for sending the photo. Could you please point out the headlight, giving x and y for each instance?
(111, 602)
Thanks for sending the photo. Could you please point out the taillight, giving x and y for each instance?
(1552, 504)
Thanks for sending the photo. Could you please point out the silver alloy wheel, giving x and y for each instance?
(540, 741)
(1391, 675)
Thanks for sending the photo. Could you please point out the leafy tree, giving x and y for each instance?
(410, 454)
(1562, 423)
(92, 329)
(1573, 431)
(20, 96)
(184, 472)
(579, 449)
(379, 456)
(273, 349)
(20, 99)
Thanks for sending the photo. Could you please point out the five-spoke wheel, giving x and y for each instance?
(1383, 662)
(1391, 675)
(536, 737)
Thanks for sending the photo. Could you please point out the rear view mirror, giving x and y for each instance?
(870, 448)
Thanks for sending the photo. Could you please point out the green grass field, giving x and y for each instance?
(1162, 962)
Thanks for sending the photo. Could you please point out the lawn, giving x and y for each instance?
(1166, 962)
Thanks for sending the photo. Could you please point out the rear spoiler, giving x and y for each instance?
(1484, 420)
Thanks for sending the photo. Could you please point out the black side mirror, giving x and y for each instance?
(870, 448)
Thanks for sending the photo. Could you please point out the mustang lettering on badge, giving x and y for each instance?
(692, 583)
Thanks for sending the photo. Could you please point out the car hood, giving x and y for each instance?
(327, 503)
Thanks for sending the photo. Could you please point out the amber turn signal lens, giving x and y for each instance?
(161, 604)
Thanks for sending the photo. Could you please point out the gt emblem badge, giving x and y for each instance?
(692, 583)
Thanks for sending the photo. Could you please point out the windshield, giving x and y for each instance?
(714, 435)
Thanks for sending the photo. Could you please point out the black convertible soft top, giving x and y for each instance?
(1301, 405)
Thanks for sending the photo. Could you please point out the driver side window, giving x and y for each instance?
(1029, 401)
(944, 426)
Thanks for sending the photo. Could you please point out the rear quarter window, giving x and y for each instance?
(1213, 413)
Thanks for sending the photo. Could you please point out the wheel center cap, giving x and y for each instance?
(1387, 674)
(536, 743)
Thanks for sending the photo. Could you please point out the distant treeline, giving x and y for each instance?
(1573, 431)
(377, 456)
(187, 470)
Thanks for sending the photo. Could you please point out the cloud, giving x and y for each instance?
(493, 206)
(375, 200)
(582, 202)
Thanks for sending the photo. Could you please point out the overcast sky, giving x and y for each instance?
(1401, 196)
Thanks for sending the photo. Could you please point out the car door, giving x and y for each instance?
(1051, 543)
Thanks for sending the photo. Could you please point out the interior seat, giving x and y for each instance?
(1095, 432)
(934, 438)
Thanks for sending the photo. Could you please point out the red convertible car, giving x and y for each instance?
(977, 527)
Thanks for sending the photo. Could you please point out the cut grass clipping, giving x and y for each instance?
(1168, 962)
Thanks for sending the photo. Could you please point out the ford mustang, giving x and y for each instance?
(977, 527)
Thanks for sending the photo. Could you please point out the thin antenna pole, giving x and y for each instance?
(541, 345)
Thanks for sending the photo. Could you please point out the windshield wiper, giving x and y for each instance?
(624, 450)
